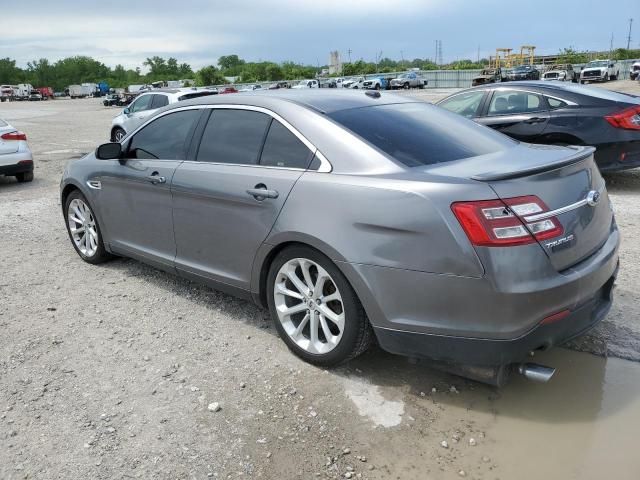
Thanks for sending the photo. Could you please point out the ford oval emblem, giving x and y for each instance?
(593, 197)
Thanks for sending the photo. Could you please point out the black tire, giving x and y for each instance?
(357, 335)
(24, 177)
(377, 86)
(115, 132)
(606, 77)
(407, 86)
(101, 255)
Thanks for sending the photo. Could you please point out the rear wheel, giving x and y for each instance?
(315, 309)
(84, 231)
(406, 86)
(24, 177)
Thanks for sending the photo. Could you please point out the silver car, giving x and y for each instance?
(15, 157)
(148, 103)
(359, 215)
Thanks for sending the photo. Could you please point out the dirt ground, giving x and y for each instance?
(109, 371)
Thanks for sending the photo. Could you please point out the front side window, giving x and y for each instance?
(233, 136)
(512, 102)
(142, 103)
(283, 149)
(165, 138)
(465, 104)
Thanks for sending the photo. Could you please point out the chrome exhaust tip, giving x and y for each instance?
(535, 372)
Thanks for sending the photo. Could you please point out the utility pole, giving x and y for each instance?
(611, 45)
(478, 59)
(402, 58)
(349, 52)
(629, 36)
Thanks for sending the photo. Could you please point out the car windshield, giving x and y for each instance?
(523, 68)
(597, 63)
(418, 134)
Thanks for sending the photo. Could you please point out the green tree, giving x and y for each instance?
(209, 76)
(9, 73)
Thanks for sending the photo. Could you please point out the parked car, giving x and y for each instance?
(523, 72)
(634, 71)
(430, 233)
(6, 93)
(278, 85)
(16, 159)
(228, 89)
(562, 72)
(35, 96)
(251, 88)
(146, 104)
(408, 80)
(488, 75)
(112, 100)
(599, 71)
(376, 83)
(306, 84)
(561, 114)
(354, 83)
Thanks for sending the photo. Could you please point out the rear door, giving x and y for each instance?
(226, 202)
(520, 114)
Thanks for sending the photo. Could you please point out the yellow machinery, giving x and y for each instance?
(504, 57)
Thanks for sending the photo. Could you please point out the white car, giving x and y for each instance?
(354, 82)
(307, 84)
(16, 159)
(599, 70)
(146, 104)
(634, 71)
(251, 88)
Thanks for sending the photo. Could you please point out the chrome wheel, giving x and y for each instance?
(118, 135)
(82, 226)
(309, 305)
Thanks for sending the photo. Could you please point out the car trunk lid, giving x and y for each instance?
(566, 180)
(7, 146)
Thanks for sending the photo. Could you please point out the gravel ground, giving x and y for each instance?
(114, 371)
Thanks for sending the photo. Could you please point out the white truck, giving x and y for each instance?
(80, 91)
(6, 93)
(135, 88)
(634, 71)
(599, 71)
(22, 91)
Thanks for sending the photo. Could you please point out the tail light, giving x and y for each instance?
(14, 136)
(499, 223)
(629, 118)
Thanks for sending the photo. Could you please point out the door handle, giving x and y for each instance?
(535, 120)
(156, 179)
(260, 192)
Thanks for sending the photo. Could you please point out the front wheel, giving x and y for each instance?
(117, 134)
(84, 231)
(315, 309)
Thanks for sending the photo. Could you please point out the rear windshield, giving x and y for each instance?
(417, 134)
(188, 96)
(596, 92)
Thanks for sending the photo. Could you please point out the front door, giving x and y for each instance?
(136, 204)
(227, 201)
(519, 114)
(139, 111)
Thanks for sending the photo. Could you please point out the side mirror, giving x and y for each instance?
(126, 111)
(109, 151)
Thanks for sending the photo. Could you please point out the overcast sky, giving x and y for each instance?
(200, 31)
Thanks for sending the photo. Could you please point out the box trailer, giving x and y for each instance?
(22, 91)
(80, 91)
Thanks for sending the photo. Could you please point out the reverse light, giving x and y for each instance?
(499, 223)
(14, 136)
(629, 118)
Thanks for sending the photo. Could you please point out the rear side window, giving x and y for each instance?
(165, 138)
(233, 136)
(187, 96)
(555, 103)
(159, 101)
(283, 149)
(417, 134)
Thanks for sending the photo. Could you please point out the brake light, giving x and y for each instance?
(629, 118)
(14, 136)
(499, 223)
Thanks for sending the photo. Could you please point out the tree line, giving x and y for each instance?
(83, 69)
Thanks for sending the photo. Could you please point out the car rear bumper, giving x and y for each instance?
(475, 320)
(18, 162)
(22, 167)
(618, 156)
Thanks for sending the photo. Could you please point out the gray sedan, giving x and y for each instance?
(356, 216)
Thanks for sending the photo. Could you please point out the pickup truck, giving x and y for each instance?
(562, 72)
(376, 83)
(634, 71)
(408, 80)
(598, 71)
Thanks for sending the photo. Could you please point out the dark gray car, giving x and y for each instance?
(354, 216)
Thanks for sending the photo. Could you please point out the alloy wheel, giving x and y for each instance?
(119, 135)
(309, 306)
(82, 226)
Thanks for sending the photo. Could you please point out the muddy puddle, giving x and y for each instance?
(584, 424)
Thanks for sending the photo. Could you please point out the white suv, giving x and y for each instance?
(146, 104)
(599, 71)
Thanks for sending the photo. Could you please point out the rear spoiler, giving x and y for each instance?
(580, 154)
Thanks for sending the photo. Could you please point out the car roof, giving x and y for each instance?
(320, 100)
